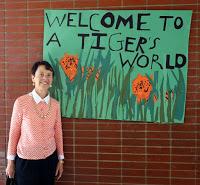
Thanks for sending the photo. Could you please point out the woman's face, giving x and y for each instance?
(42, 78)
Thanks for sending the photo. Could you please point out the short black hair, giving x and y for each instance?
(39, 63)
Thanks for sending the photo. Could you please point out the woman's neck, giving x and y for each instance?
(41, 93)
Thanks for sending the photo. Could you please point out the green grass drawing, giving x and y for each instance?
(110, 96)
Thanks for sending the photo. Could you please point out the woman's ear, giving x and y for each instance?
(32, 77)
(33, 81)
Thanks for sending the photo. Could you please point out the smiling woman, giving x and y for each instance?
(42, 79)
(35, 138)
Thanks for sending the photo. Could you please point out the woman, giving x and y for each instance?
(35, 148)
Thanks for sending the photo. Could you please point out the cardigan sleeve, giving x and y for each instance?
(59, 134)
(15, 130)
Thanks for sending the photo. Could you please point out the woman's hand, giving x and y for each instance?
(59, 169)
(10, 169)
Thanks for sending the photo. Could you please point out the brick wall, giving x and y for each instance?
(103, 152)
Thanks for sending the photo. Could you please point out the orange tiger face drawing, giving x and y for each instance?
(141, 88)
(69, 64)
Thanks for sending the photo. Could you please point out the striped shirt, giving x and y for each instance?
(33, 137)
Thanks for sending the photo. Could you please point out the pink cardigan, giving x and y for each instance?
(32, 137)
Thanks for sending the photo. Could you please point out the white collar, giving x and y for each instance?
(38, 99)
